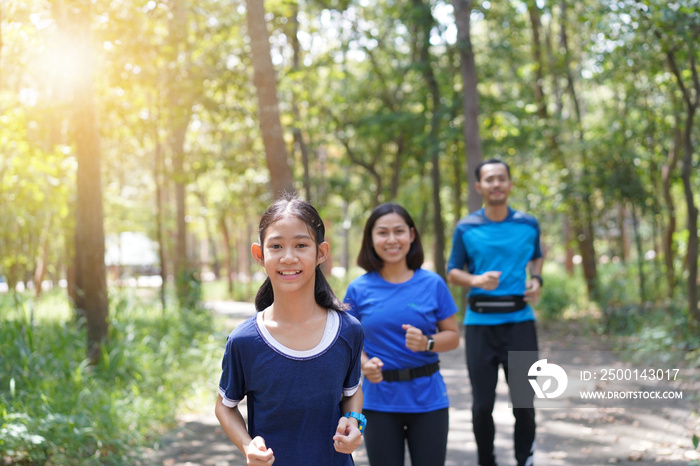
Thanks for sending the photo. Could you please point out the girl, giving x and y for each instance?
(298, 359)
(408, 316)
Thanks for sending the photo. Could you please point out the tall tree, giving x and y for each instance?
(180, 103)
(424, 25)
(90, 272)
(265, 81)
(470, 97)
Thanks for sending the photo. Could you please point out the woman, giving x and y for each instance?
(407, 314)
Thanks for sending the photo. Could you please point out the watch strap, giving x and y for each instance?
(361, 420)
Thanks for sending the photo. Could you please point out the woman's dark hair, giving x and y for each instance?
(477, 171)
(291, 205)
(368, 258)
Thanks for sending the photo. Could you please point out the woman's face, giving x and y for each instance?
(392, 238)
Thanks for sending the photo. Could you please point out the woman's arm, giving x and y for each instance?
(446, 339)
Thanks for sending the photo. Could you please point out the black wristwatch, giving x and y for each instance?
(431, 343)
(538, 277)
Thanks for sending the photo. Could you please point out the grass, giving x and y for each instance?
(57, 409)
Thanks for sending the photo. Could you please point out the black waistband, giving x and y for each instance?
(496, 304)
(402, 375)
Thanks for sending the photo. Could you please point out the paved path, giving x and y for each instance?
(565, 437)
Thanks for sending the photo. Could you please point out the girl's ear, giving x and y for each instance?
(256, 251)
(413, 234)
(323, 251)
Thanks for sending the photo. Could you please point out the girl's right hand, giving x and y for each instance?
(373, 370)
(258, 454)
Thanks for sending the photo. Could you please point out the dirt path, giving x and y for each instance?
(566, 437)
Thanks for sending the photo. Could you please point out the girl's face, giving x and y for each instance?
(392, 238)
(290, 254)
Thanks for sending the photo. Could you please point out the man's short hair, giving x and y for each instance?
(488, 162)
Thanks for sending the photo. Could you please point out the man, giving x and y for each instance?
(492, 249)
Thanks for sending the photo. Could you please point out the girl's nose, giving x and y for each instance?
(288, 255)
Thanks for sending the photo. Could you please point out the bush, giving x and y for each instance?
(562, 295)
(57, 409)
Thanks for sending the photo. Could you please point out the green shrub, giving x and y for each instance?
(562, 295)
(57, 409)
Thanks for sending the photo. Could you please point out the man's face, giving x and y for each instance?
(495, 184)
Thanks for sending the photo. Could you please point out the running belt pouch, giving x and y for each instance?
(496, 304)
(403, 375)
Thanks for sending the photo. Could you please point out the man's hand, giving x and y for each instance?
(257, 454)
(373, 370)
(415, 339)
(533, 290)
(347, 436)
(489, 280)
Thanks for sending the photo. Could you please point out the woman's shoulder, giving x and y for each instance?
(364, 278)
(427, 275)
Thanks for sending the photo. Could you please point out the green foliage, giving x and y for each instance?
(55, 408)
(188, 286)
(563, 296)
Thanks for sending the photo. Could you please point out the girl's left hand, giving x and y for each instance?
(347, 436)
(415, 339)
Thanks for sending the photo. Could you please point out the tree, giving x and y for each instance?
(265, 81)
(470, 98)
(90, 272)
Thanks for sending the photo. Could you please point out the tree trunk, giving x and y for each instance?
(299, 141)
(582, 210)
(425, 25)
(668, 245)
(226, 237)
(265, 80)
(692, 101)
(91, 281)
(470, 98)
(640, 255)
(160, 237)
(180, 103)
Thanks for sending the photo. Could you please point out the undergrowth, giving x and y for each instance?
(55, 408)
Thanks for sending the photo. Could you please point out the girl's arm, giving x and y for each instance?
(348, 436)
(254, 450)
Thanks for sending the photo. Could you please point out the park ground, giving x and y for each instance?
(600, 436)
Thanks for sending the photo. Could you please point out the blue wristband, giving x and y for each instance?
(361, 419)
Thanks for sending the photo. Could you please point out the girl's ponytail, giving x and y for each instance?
(324, 293)
(265, 296)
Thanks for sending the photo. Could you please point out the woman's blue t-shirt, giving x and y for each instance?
(382, 308)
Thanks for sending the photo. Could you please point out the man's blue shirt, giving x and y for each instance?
(480, 245)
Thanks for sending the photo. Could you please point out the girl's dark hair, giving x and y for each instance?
(368, 258)
(290, 205)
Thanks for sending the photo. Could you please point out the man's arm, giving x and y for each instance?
(534, 285)
(486, 281)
